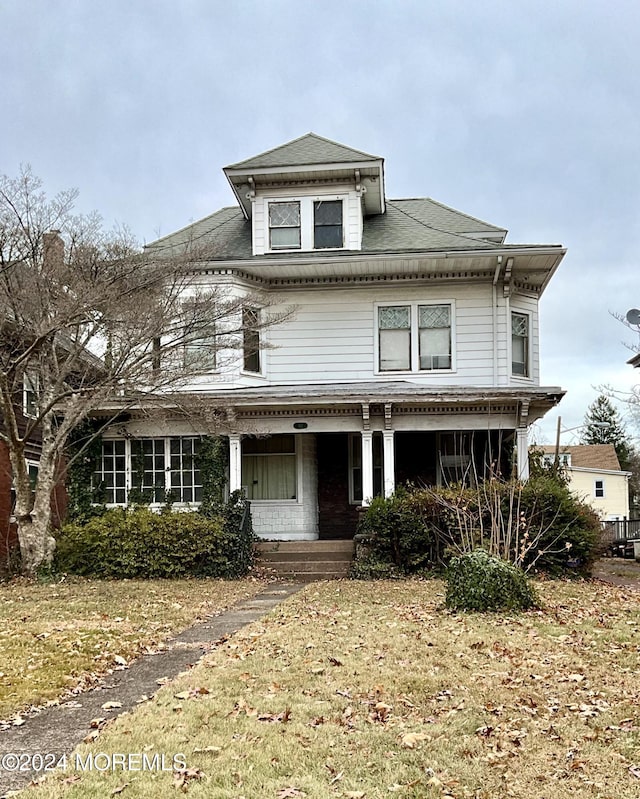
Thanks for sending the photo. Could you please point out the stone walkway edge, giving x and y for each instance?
(57, 730)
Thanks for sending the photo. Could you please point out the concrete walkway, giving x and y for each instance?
(59, 729)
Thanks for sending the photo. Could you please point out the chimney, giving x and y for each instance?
(52, 250)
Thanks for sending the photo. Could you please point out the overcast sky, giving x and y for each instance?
(524, 114)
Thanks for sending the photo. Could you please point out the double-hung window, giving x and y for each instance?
(434, 324)
(327, 224)
(598, 489)
(415, 337)
(284, 226)
(520, 344)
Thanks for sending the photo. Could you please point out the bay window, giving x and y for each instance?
(520, 344)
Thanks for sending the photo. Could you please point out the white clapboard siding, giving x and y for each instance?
(332, 335)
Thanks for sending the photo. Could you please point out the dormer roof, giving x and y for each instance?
(309, 159)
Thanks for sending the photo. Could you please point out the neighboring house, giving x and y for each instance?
(595, 477)
(411, 354)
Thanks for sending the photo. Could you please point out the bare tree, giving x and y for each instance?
(87, 319)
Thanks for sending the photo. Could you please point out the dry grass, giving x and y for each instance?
(58, 636)
(365, 691)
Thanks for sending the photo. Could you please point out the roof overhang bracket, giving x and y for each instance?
(507, 288)
(366, 418)
(387, 415)
(523, 413)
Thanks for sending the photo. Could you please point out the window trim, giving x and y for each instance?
(414, 338)
(298, 227)
(601, 488)
(246, 332)
(307, 222)
(529, 362)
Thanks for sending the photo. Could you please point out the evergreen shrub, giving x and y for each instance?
(479, 581)
(136, 542)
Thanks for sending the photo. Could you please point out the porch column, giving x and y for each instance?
(367, 467)
(522, 453)
(389, 460)
(235, 463)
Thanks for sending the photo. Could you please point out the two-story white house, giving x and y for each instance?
(411, 352)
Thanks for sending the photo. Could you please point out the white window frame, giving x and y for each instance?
(529, 364)
(307, 222)
(597, 488)
(260, 333)
(128, 471)
(414, 305)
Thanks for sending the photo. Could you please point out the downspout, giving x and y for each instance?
(494, 305)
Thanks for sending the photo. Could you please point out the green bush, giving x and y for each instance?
(479, 581)
(395, 534)
(126, 543)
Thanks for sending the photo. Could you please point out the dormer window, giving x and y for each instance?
(308, 223)
(327, 224)
(284, 226)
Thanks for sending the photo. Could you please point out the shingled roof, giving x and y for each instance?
(588, 456)
(407, 226)
(305, 150)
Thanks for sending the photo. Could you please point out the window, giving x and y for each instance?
(186, 484)
(434, 324)
(284, 226)
(520, 344)
(30, 387)
(148, 469)
(394, 331)
(327, 224)
(110, 479)
(159, 468)
(251, 339)
(415, 337)
(200, 344)
(598, 489)
(269, 467)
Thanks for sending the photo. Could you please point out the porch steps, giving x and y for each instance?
(305, 560)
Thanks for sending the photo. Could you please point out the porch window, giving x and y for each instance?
(394, 331)
(284, 226)
(251, 339)
(269, 468)
(110, 479)
(186, 484)
(455, 459)
(520, 344)
(148, 469)
(327, 224)
(434, 331)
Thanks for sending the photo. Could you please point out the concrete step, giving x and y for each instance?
(305, 560)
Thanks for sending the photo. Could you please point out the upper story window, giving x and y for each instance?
(251, 339)
(284, 226)
(598, 489)
(520, 344)
(306, 224)
(415, 337)
(30, 386)
(327, 224)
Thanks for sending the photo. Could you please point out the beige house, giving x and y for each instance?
(595, 477)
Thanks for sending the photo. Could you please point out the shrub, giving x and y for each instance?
(126, 543)
(479, 581)
(395, 534)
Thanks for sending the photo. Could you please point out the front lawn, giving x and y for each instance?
(57, 636)
(371, 690)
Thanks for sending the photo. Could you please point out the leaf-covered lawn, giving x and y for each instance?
(59, 636)
(371, 690)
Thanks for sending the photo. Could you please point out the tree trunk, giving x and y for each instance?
(36, 545)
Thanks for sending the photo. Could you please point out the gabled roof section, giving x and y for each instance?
(313, 159)
(588, 456)
(305, 150)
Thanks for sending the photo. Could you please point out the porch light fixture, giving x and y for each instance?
(300, 425)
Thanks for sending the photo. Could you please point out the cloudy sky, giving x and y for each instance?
(525, 114)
